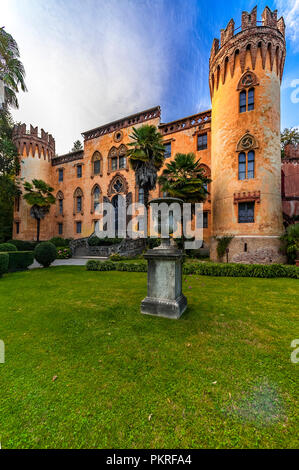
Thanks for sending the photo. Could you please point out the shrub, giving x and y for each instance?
(59, 242)
(96, 241)
(63, 252)
(45, 253)
(4, 260)
(206, 269)
(222, 244)
(7, 247)
(23, 245)
(19, 260)
(153, 243)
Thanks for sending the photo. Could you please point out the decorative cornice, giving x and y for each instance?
(67, 158)
(268, 38)
(248, 196)
(186, 123)
(128, 121)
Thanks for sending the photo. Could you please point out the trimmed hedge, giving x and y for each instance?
(4, 260)
(60, 242)
(206, 269)
(94, 265)
(23, 245)
(45, 253)
(96, 241)
(4, 247)
(19, 260)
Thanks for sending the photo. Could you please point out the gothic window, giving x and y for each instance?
(17, 203)
(246, 212)
(202, 142)
(78, 201)
(246, 87)
(60, 229)
(243, 102)
(96, 163)
(17, 227)
(96, 194)
(118, 158)
(59, 199)
(242, 166)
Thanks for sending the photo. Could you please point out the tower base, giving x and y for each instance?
(251, 250)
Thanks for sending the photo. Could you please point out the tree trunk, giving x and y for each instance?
(37, 229)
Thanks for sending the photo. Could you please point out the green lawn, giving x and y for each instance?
(219, 377)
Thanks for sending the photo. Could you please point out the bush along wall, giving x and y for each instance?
(206, 269)
(19, 260)
(23, 245)
(4, 260)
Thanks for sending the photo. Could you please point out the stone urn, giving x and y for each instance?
(164, 278)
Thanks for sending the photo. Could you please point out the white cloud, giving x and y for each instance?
(87, 62)
(289, 9)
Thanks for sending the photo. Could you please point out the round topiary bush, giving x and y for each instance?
(45, 253)
(4, 247)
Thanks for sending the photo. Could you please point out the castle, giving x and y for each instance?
(237, 142)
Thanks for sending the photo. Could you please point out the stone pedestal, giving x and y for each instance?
(164, 284)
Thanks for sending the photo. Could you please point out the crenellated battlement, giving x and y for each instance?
(32, 143)
(266, 37)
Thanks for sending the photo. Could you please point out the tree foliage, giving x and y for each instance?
(38, 195)
(291, 240)
(146, 155)
(184, 178)
(289, 136)
(77, 146)
(12, 72)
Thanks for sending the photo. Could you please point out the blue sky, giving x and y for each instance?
(92, 61)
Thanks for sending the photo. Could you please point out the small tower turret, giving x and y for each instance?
(35, 155)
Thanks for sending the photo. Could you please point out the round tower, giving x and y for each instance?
(245, 76)
(35, 155)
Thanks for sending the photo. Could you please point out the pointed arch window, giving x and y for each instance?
(78, 201)
(97, 162)
(246, 87)
(117, 158)
(59, 201)
(95, 198)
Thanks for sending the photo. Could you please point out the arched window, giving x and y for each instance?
(78, 201)
(243, 102)
(242, 166)
(117, 158)
(59, 201)
(97, 163)
(96, 194)
(251, 99)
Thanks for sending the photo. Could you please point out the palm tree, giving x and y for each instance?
(12, 72)
(291, 239)
(184, 178)
(146, 157)
(39, 196)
